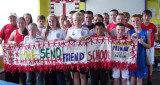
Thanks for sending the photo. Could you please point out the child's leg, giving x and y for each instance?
(28, 78)
(116, 81)
(39, 78)
(116, 75)
(60, 78)
(133, 80)
(124, 81)
(83, 79)
(125, 76)
(76, 78)
(139, 81)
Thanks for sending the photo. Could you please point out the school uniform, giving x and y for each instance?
(129, 26)
(111, 26)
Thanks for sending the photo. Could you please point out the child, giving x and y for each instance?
(32, 38)
(127, 17)
(99, 74)
(88, 17)
(146, 16)
(105, 19)
(54, 32)
(28, 19)
(41, 21)
(61, 20)
(67, 25)
(119, 19)
(4, 35)
(120, 30)
(97, 18)
(70, 16)
(16, 38)
(113, 15)
(78, 32)
(144, 42)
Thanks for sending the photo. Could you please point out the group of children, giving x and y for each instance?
(81, 26)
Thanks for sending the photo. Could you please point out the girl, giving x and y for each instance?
(105, 19)
(54, 32)
(143, 44)
(16, 38)
(61, 20)
(28, 19)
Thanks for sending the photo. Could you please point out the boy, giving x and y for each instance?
(70, 16)
(120, 30)
(146, 16)
(78, 32)
(32, 38)
(4, 35)
(127, 17)
(41, 21)
(99, 74)
(144, 43)
(88, 17)
(106, 19)
(113, 15)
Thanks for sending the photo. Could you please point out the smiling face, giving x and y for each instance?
(77, 21)
(120, 30)
(88, 19)
(12, 19)
(32, 30)
(136, 22)
(99, 30)
(52, 22)
(21, 24)
(120, 19)
(113, 15)
(27, 19)
(146, 18)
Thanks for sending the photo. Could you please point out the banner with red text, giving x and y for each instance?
(48, 56)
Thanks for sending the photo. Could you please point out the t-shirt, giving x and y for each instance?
(129, 26)
(18, 37)
(40, 29)
(55, 34)
(96, 35)
(89, 26)
(111, 26)
(29, 40)
(113, 32)
(153, 29)
(122, 37)
(77, 33)
(6, 32)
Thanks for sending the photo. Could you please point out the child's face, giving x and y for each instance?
(32, 30)
(105, 19)
(70, 18)
(52, 22)
(120, 19)
(21, 24)
(67, 25)
(27, 19)
(99, 30)
(12, 20)
(77, 21)
(41, 22)
(97, 19)
(120, 30)
(127, 19)
(62, 19)
(136, 22)
(146, 18)
(113, 15)
(88, 18)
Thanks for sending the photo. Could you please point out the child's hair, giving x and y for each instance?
(64, 16)
(78, 14)
(48, 27)
(67, 21)
(41, 17)
(147, 12)
(126, 14)
(30, 16)
(33, 24)
(120, 24)
(121, 14)
(99, 15)
(72, 12)
(82, 11)
(25, 31)
(114, 10)
(137, 15)
(106, 14)
(89, 12)
(100, 24)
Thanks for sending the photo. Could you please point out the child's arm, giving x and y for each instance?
(69, 38)
(148, 44)
(11, 38)
(1, 40)
(81, 39)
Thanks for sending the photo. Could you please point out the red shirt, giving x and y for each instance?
(6, 32)
(153, 29)
(122, 37)
(129, 26)
(96, 35)
(18, 37)
(111, 26)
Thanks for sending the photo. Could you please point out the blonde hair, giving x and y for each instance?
(48, 27)
(78, 14)
(126, 14)
(33, 24)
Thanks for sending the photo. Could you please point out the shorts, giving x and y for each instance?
(116, 73)
(81, 71)
(150, 56)
(139, 73)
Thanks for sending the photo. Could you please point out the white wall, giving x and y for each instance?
(20, 7)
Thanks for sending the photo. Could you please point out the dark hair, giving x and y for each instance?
(114, 10)
(120, 24)
(147, 12)
(82, 11)
(126, 14)
(41, 17)
(100, 24)
(99, 15)
(72, 12)
(89, 12)
(30, 16)
(25, 31)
